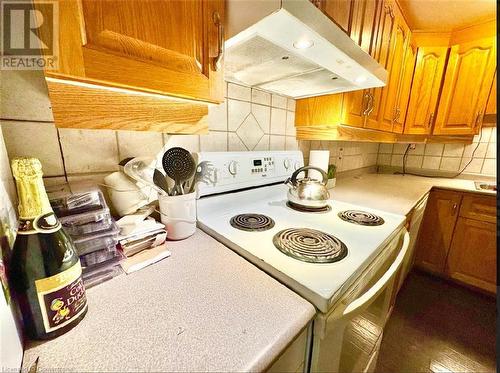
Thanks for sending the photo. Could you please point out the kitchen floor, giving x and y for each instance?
(437, 326)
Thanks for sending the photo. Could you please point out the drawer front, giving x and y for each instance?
(479, 208)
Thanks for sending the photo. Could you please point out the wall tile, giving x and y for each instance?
(399, 148)
(480, 152)
(291, 143)
(484, 136)
(277, 142)
(397, 160)
(492, 150)
(34, 139)
(89, 150)
(213, 142)
(238, 92)
(474, 166)
(278, 121)
(24, 96)
(431, 162)
(290, 124)
(234, 143)
(263, 144)
(414, 161)
(250, 132)
(139, 144)
(188, 142)
(290, 104)
(385, 148)
(217, 117)
(450, 163)
(279, 101)
(237, 111)
(434, 149)
(489, 167)
(384, 159)
(261, 97)
(419, 149)
(453, 150)
(263, 116)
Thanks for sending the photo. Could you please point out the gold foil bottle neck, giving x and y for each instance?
(33, 200)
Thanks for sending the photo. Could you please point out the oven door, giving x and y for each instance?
(351, 335)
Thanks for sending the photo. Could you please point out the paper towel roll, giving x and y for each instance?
(318, 158)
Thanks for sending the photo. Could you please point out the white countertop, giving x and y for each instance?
(395, 193)
(203, 309)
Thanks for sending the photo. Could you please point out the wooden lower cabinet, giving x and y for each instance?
(472, 258)
(458, 238)
(437, 230)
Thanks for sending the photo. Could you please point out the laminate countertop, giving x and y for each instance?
(203, 309)
(396, 193)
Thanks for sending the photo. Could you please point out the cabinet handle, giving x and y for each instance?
(455, 205)
(431, 118)
(220, 41)
(397, 114)
(369, 106)
(366, 98)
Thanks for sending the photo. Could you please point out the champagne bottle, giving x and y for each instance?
(45, 273)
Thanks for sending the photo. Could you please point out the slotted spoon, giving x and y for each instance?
(180, 166)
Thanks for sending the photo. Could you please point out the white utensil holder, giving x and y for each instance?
(178, 213)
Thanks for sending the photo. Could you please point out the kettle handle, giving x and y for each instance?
(293, 179)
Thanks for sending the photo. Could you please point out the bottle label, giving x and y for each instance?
(46, 223)
(61, 297)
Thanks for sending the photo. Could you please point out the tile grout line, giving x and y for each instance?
(62, 154)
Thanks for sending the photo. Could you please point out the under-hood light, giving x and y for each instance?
(303, 44)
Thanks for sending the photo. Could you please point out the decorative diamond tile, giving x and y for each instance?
(250, 132)
(237, 111)
(263, 116)
(234, 143)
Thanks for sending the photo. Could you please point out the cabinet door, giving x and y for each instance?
(339, 11)
(405, 88)
(466, 86)
(425, 89)
(380, 52)
(490, 115)
(365, 19)
(472, 258)
(437, 228)
(390, 111)
(166, 47)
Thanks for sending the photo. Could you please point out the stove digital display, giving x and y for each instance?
(257, 162)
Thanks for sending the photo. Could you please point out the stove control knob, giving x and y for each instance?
(233, 168)
(296, 166)
(287, 163)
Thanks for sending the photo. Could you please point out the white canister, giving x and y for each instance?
(320, 159)
(126, 197)
(178, 213)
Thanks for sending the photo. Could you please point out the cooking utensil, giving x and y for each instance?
(180, 166)
(139, 170)
(306, 192)
(160, 181)
(202, 175)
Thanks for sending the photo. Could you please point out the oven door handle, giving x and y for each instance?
(380, 285)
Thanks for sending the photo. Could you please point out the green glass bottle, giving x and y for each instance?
(45, 274)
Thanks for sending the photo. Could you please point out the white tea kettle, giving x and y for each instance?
(306, 192)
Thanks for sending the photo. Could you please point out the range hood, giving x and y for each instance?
(290, 47)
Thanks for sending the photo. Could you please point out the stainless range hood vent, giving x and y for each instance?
(268, 54)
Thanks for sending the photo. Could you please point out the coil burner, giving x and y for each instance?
(252, 222)
(310, 245)
(361, 217)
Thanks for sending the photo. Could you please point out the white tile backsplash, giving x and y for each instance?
(188, 142)
(213, 142)
(250, 132)
(262, 115)
(139, 143)
(261, 97)
(450, 163)
(238, 92)
(217, 117)
(278, 121)
(237, 111)
(279, 101)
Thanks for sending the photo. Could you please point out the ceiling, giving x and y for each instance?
(446, 15)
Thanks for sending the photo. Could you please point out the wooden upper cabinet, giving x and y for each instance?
(340, 11)
(381, 45)
(165, 47)
(472, 258)
(390, 110)
(405, 87)
(425, 87)
(436, 232)
(467, 83)
(490, 114)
